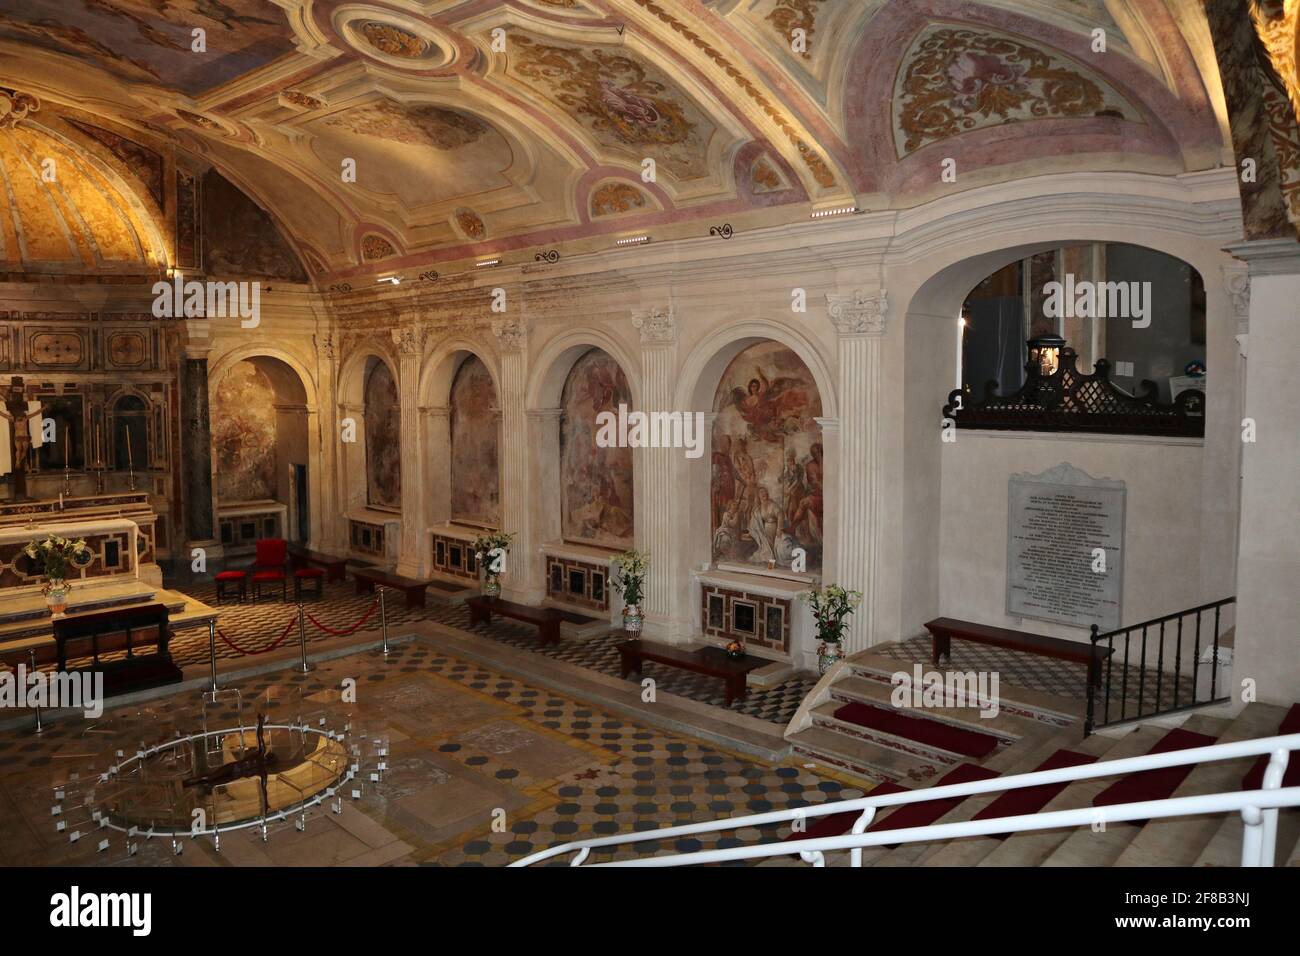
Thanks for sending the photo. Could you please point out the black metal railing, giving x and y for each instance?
(1143, 653)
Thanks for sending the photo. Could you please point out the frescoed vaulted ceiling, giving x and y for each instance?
(381, 134)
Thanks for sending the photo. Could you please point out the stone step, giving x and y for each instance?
(968, 852)
(863, 759)
(1032, 848)
(1016, 701)
(1178, 842)
(824, 716)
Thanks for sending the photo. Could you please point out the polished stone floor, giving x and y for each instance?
(478, 768)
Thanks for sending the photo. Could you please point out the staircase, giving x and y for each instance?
(1209, 840)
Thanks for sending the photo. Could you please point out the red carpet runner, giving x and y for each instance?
(1154, 784)
(968, 743)
(1015, 803)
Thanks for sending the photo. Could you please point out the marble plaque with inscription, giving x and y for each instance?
(1055, 523)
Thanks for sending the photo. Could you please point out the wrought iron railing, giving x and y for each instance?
(1155, 667)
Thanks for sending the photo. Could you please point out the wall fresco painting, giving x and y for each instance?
(383, 438)
(475, 472)
(767, 477)
(243, 435)
(596, 482)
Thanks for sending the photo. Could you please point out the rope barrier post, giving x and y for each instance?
(212, 654)
(383, 620)
(304, 667)
(31, 658)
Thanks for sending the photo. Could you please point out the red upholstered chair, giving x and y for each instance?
(272, 557)
(227, 579)
(315, 575)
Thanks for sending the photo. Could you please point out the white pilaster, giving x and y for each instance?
(522, 581)
(413, 559)
(859, 319)
(661, 524)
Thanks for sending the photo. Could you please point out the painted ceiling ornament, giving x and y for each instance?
(512, 334)
(375, 247)
(790, 15)
(859, 313)
(810, 157)
(202, 122)
(301, 100)
(763, 178)
(619, 99)
(471, 224)
(1278, 24)
(613, 198)
(412, 124)
(393, 40)
(955, 80)
(658, 326)
(16, 107)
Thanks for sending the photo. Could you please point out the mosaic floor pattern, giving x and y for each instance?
(255, 627)
(482, 769)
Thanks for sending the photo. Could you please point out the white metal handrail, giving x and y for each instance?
(1259, 809)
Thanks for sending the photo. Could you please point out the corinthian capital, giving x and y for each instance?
(512, 334)
(657, 326)
(860, 313)
(409, 339)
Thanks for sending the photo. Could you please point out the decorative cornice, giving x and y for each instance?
(512, 334)
(657, 326)
(858, 314)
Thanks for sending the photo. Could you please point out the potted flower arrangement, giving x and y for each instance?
(632, 567)
(55, 553)
(830, 605)
(491, 550)
(735, 650)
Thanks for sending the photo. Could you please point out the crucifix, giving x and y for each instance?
(18, 414)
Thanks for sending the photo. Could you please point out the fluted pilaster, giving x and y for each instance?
(660, 523)
(413, 558)
(859, 320)
(522, 580)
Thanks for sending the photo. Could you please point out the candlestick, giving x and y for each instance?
(129, 463)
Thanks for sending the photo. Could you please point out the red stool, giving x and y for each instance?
(268, 567)
(316, 575)
(226, 578)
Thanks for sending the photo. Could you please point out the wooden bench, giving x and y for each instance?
(710, 661)
(944, 629)
(336, 568)
(368, 578)
(547, 619)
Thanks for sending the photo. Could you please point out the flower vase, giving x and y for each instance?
(492, 587)
(632, 619)
(829, 653)
(56, 595)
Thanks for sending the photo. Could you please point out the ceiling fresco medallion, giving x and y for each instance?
(393, 38)
(613, 198)
(621, 101)
(16, 107)
(420, 124)
(374, 248)
(954, 81)
(471, 224)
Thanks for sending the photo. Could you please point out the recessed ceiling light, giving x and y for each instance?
(487, 263)
(632, 240)
(395, 280)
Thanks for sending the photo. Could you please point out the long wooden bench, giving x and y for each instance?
(336, 568)
(944, 629)
(368, 578)
(710, 661)
(546, 619)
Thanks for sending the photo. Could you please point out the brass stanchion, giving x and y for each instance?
(31, 659)
(212, 654)
(304, 667)
(383, 620)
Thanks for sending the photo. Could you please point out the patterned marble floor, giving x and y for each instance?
(1042, 674)
(256, 627)
(482, 769)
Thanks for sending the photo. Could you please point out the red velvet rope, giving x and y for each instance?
(280, 640)
(350, 630)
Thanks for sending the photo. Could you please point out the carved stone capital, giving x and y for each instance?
(409, 339)
(1236, 282)
(512, 334)
(860, 313)
(657, 326)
